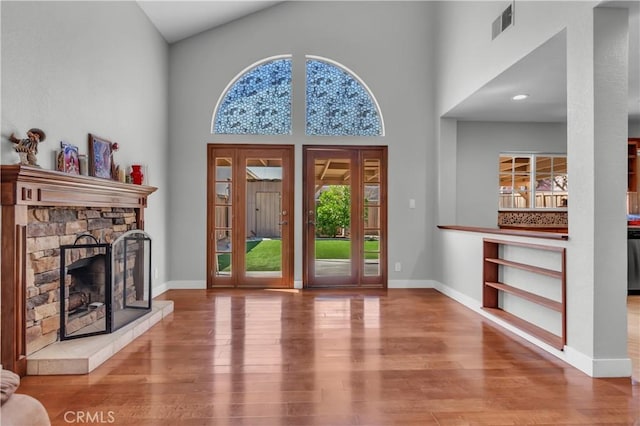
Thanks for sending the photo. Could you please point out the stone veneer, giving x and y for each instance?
(533, 219)
(48, 228)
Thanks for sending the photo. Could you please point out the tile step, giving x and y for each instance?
(81, 356)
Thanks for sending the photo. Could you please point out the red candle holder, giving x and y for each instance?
(136, 174)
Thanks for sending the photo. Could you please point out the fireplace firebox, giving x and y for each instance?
(104, 286)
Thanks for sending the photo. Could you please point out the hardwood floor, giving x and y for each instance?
(402, 357)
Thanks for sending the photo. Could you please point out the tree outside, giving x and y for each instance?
(333, 210)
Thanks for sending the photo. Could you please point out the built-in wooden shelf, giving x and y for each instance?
(540, 333)
(531, 297)
(26, 186)
(492, 287)
(524, 266)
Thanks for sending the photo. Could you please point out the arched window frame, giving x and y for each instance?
(331, 62)
(357, 78)
(240, 75)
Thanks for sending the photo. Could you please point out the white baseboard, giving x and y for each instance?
(593, 367)
(462, 298)
(158, 290)
(410, 284)
(598, 367)
(602, 367)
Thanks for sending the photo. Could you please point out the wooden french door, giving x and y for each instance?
(345, 216)
(250, 216)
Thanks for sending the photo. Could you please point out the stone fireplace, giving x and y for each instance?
(42, 211)
(49, 229)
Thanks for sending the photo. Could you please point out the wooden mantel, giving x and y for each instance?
(24, 186)
(33, 186)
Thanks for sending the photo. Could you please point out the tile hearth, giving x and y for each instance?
(81, 356)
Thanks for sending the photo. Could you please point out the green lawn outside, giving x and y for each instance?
(340, 249)
(265, 255)
(262, 255)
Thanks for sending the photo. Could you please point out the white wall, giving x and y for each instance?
(468, 58)
(73, 68)
(363, 36)
(634, 128)
(596, 71)
(478, 147)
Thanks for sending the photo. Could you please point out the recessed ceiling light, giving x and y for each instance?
(520, 97)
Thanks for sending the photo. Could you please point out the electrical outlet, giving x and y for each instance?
(398, 267)
(156, 273)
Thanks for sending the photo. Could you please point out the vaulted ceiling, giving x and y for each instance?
(177, 20)
(542, 74)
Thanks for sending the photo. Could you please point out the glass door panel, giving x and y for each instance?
(372, 223)
(372, 244)
(263, 217)
(223, 205)
(332, 199)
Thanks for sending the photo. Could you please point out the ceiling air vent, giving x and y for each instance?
(502, 22)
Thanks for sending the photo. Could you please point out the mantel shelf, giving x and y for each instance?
(33, 186)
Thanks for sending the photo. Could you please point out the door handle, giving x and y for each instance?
(283, 222)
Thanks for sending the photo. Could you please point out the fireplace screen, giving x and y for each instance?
(106, 286)
(84, 293)
(131, 277)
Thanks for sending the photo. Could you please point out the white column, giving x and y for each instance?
(447, 165)
(597, 61)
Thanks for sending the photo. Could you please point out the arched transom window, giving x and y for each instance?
(258, 101)
(338, 102)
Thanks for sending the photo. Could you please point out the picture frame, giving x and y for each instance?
(68, 159)
(100, 157)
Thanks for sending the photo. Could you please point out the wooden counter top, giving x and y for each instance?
(550, 235)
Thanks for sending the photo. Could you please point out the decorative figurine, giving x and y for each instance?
(28, 148)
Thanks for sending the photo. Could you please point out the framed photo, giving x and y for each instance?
(99, 157)
(68, 159)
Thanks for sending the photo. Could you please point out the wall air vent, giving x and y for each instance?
(502, 22)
